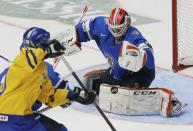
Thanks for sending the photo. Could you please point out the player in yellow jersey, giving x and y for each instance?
(27, 81)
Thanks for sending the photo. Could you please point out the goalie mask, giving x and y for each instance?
(118, 22)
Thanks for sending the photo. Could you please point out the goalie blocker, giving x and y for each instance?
(133, 101)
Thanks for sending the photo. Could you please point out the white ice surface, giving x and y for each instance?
(86, 118)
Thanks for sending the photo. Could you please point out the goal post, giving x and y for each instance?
(182, 28)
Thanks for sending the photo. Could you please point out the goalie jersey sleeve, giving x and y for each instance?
(27, 80)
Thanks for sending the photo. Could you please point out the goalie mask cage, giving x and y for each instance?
(182, 26)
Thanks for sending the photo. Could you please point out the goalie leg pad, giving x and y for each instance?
(150, 101)
(170, 105)
(92, 80)
(124, 101)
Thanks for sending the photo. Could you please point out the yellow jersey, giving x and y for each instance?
(27, 81)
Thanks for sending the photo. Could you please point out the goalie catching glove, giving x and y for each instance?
(68, 38)
(131, 57)
(82, 96)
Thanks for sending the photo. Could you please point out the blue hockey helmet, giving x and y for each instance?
(34, 36)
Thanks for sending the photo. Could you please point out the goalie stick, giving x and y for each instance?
(55, 63)
(57, 59)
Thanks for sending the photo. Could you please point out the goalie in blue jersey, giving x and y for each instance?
(27, 81)
(131, 64)
(129, 54)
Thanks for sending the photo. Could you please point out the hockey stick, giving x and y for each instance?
(85, 10)
(57, 59)
(83, 87)
(43, 110)
(5, 59)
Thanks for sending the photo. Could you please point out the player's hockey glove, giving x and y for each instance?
(36, 105)
(54, 48)
(82, 96)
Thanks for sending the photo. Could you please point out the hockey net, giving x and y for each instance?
(182, 15)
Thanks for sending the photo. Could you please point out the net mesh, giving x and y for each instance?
(185, 31)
